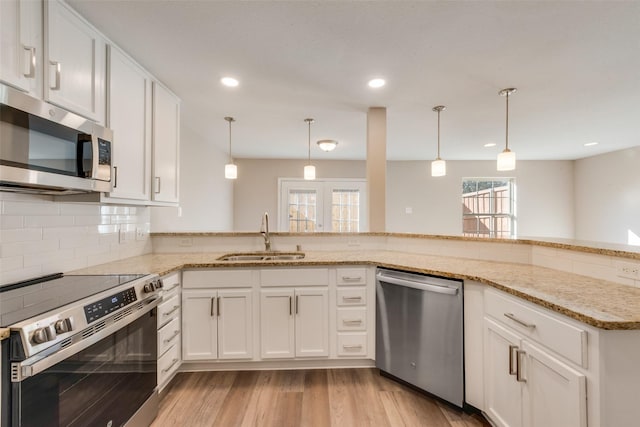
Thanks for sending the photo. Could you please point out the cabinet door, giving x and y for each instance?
(75, 63)
(277, 324)
(503, 394)
(21, 51)
(312, 322)
(555, 395)
(235, 324)
(199, 325)
(129, 116)
(166, 145)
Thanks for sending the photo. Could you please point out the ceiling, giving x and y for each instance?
(576, 66)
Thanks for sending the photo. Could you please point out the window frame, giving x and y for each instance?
(512, 216)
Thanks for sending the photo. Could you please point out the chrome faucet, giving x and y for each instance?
(264, 230)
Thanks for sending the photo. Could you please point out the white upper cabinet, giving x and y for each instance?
(75, 62)
(166, 145)
(129, 116)
(21, 45)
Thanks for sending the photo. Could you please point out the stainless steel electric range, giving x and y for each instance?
(79, 351)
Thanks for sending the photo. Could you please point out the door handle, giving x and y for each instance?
(213, 301)
(31, 73)
(218, 306)
(157, 184)
(296, 304)
(290, 303)
(115, 176)
(512, 370)
(56, 77)
(519, 377)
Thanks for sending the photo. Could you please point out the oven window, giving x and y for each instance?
(102, 385)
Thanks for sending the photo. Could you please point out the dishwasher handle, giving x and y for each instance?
(417, 285)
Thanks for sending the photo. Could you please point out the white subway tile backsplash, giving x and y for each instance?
(11, 263)
(10, 207)
(48, 221)
(57, 256)
(79, 209)
(11, 221)
(25, 248)
(20, 235)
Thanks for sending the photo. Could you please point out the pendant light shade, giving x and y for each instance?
(309, 169)
(438, 166)
(327, 144)
(507, 159)
(230, 169)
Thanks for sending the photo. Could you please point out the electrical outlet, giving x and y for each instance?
(629, 270)
(353, 241)
(141, 233)
(186, 242)
(122, 236)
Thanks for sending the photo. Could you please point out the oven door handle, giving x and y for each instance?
(42, 361)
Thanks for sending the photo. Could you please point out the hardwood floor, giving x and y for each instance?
(335, 397)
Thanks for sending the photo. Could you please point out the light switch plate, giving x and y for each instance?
(630, 270)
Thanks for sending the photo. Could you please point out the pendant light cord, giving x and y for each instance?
(507, 125)
(438, 134)
(309, 144)
(230, 156)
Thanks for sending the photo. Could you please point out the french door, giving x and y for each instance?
(322, 206)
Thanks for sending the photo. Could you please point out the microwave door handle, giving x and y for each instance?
(95, 160)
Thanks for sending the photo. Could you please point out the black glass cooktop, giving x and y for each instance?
(23, 300)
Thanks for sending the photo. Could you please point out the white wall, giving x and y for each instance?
(206, 197)
(39, 236)
(544, 191)
(608, 196)
(256, 189)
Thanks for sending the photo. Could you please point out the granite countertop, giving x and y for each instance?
(596, 302)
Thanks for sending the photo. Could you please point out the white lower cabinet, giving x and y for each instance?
(169, 330)
(217, 324)
(294, 322)
(526, 384)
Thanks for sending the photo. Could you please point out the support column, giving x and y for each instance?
(377, 167)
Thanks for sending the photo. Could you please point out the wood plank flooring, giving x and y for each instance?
(318, 398)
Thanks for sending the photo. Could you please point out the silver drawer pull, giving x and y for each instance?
(352, 321)
(351, 278)
(352, 346)
(164, 371)
(173, 310)
(172, 337)
(521, 322)
(351, 298)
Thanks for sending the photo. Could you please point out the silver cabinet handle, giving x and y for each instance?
(296, 304)
(157, 184)
(213, 301)
(56, 79)
(352, 321)
(519, 378)
(521, 322)
(218, 306)
(173, 310)
(31, 61)
(351, 298)
(351, 278)
(172, 337)
(351, 346)
(164, 371)
(115, 176)
(512, 370)
(290, 302)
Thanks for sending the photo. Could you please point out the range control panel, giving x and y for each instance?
(109, 304)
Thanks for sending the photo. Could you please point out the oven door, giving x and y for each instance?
(102, 385)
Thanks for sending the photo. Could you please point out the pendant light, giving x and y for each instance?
(230, 169)
(507, 159)
(438, 166)
(327, 144)
(309, 169)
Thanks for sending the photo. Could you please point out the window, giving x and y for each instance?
(488, 207)
(322, 205)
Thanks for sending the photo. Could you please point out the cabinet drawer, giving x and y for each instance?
(352, 344)
(351, 319)
(170, 282)
(168, 309)
(168, 335)
(352, 296)
(351, 276)
(295, 277)
(223, 278)
(168, 363)
(547, 329)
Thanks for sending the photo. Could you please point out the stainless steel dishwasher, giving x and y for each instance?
(419, 332)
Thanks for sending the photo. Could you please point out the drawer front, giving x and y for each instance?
(547, 329)
(352, 296)
(169, 309)
(168, 363)
(351, 276)
(351, 319)
(294, 277)
(352, 345)
(168, 335)
(223, 278)
(170, 282)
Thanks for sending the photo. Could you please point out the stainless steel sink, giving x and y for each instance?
(264, 256)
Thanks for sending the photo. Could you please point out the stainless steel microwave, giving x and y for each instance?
(47, 150)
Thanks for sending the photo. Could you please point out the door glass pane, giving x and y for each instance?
(345, 210)
(302, 210)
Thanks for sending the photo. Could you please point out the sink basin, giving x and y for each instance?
(264, 256)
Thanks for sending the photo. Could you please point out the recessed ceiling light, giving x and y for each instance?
(376, 83)
(229, 81)
(490, 144)
(590, 144)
